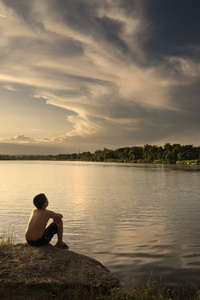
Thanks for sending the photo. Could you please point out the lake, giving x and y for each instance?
(134, 218)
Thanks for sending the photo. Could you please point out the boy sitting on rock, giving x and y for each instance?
(37, 234)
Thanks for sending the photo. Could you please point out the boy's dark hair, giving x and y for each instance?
(39, 200)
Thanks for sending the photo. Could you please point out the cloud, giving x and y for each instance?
(20, 138)
(90, 58)
(185, 66)
(9, 87)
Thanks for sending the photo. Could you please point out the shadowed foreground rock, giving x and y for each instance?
(27, 271)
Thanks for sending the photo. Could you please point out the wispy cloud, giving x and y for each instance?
(90, 58)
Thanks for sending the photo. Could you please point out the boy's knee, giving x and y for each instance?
(58, 222)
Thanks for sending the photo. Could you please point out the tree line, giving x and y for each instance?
(175, 153)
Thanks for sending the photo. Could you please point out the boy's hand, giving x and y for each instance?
(58, 216)
(54, 215)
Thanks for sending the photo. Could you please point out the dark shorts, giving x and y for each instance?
(46, 238)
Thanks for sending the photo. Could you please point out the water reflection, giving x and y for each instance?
(133, 218)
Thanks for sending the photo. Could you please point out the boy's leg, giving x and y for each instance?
(59, 223)
(60, 242)
(47, 236)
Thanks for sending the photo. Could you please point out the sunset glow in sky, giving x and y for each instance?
(81, 75)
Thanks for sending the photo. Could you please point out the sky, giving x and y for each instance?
(83, 75)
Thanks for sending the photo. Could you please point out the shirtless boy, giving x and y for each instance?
(37, 234)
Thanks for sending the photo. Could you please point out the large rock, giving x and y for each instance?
(24, 269)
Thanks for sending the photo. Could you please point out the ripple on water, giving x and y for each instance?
(135, 219)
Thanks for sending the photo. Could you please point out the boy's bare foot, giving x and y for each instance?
(62, 245)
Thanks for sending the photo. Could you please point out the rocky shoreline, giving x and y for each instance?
(44, 272)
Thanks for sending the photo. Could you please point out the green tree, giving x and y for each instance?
(86, 156)
(168, 147)
(150, 152)
(98, 155)
(109, 154)
(122, 153)
(170, 157)
(187, 153)
(160, 153)
(176, 150)
(135, 153)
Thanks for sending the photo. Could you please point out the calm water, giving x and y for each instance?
(135, 219)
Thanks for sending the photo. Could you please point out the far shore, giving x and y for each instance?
(57, 158)
(147, 154)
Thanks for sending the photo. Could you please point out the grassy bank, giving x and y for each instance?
(188, 162)
(7, 238)
(151, 291)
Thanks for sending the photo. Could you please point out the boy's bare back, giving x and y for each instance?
(38, 221)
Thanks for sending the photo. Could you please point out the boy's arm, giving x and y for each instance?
(54, 215)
